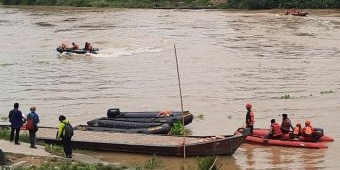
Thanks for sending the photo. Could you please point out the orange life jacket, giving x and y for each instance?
(276, 131)
(308, 130)
(296, 130)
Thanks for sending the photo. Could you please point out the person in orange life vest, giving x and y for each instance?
(297, 131)
(286, 124)
(74, 46)
(63, 46)
(249, 117)
(274, 131)
(308, 132)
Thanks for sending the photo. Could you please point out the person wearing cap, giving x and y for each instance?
(286, 124)
(249, 117)
(33, 116)
(274, 131)
(308, 132)
(66, 141)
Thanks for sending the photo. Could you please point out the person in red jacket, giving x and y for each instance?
(249, 118)
(75, 46)
(274, 131)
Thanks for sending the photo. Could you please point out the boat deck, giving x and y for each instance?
(119, 138)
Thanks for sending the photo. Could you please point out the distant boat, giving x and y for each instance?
(78, 51)
(296, 12)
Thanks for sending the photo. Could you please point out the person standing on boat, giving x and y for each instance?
(249, 118)
(274, 131)
(32, 125)
(75, 46)
(17, 120)
(286, 124)
(62, 134)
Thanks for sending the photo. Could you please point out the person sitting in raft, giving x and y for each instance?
(286, 124)
(274, 131)
(89, 47)
(74, 46)
(297, 131)
(308, 132)
(63, 46)
(86, 45)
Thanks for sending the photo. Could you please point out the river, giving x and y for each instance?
(226, 58)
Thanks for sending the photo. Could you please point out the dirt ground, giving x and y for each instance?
(28, 159)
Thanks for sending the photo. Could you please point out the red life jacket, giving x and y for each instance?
(296, 130)
(276, 131)
(251, 121)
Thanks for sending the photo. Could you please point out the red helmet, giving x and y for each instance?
(248, 106)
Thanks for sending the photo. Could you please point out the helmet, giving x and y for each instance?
(307, 122)
(248, 106)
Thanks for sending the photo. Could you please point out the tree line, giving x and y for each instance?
(232, 4)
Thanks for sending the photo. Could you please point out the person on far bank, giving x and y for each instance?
(65, 138)
(32, 125)
(249, 117)
(286, 124)
(274, 131)
(17, 120)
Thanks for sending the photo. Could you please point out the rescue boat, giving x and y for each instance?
(257, 137)
(78, 51)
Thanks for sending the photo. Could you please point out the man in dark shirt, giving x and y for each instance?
(17, 120)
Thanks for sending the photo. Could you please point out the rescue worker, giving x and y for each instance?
(274, 131)
(249, 118)
(297, 131)
(75, 46)
(63, 46)
(308, 132)
(89, 47)
(286, 124)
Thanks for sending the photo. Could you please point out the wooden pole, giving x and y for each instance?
(180, 94)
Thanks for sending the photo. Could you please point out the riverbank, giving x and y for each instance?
(177, 4)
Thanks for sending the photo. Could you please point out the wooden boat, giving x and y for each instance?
(78, 51)
(162, 128)
(148, 143)
(258, 134)
(296, 12)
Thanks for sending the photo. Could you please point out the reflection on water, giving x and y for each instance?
(226, 58)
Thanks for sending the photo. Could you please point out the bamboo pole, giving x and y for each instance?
(180, 94)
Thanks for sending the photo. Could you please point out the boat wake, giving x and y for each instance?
(127, 51)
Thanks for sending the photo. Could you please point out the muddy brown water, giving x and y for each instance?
(226, 58)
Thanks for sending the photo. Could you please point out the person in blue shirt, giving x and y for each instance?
(32, 120)
(17, 120)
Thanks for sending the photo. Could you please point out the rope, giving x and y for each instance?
(212, 166)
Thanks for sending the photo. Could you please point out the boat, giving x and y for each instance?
(78, 51)
(323, 138)
(163, 128)
(148, 143)
(258, 138)
(115, 118)
(296, 12)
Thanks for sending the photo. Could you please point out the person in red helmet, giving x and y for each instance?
(249, 117)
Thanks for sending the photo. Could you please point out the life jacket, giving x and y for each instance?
(296, 130)
(251, 120)
(285, 125)
(276, 131)
(308, 130)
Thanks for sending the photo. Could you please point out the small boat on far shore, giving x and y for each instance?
(296, 12)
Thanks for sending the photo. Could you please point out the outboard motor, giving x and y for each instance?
(112, 113)
(318, 133)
